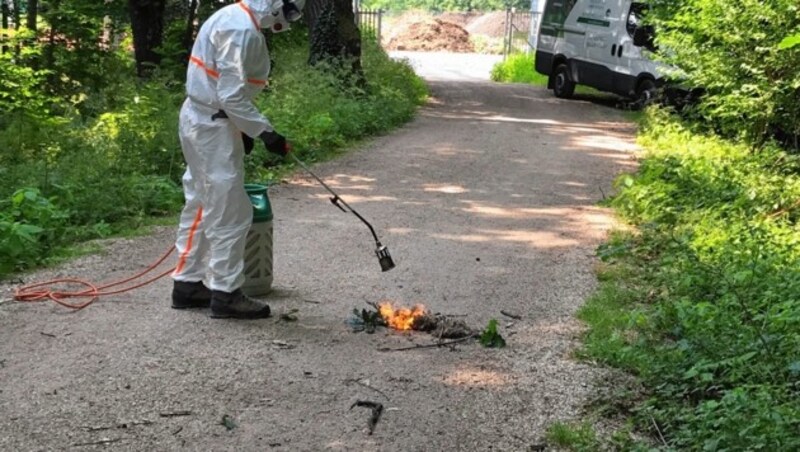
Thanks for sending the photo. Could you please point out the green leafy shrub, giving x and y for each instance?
(30, 227)
(319, 110)
(732, 49)
(518, 68)
(109, 157)
(703, 303)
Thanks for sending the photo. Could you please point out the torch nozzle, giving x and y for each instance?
(384, 258)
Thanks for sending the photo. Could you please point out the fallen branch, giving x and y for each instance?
(120, 425)
(176, 413)
(785, 210)
(377, 410)
(436, 345)
(98, 442)
(513, 316)
(658, 430)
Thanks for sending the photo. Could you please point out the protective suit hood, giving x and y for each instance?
(263, 8)
(276, 15)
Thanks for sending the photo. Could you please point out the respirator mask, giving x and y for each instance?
(290, 11)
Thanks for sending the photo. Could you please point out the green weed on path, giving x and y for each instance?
(702, 301)
(520, 68)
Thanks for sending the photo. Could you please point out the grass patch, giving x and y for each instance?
(518, 68)
(702, 302)
(575, 437)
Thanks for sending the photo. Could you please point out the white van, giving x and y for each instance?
(598, 43)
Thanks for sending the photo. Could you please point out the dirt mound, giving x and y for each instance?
(489, 24)
(460, 18)
(431, 35)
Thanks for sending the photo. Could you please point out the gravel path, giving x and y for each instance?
(487, 201)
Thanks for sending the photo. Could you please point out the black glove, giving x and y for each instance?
(219, 115)
(275, 143)
(249, 143)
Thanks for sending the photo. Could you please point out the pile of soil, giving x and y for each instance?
(431, 35)
(490, 24)
(459, 18)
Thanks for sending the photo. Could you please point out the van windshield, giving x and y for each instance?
(636, 16)
(635, 25)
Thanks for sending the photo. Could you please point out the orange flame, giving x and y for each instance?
(400, 318)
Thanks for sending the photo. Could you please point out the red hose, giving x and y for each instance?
(29, 293)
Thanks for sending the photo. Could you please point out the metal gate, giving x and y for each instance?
(521, 29)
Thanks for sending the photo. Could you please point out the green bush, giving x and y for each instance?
(518, 68)
(732, 49)
(703, 303)
(110, 158)
(320, 111)
(30, 227)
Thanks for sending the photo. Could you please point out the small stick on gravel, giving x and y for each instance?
(367, 386)
(176, 413)
(377, 409)
(313, 301)
(101, 441)
(120, 425)
(436, 345)
(47, 334)
(513, 316)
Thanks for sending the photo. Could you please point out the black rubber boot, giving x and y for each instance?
(237, 305)
(188, 295)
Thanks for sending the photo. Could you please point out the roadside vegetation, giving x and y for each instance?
(518, 68)
(88, 149)
(700, 295)
(700, 301)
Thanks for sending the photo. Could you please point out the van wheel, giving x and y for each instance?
(646, 93)
(563, 87)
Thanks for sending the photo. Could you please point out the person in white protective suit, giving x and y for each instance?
(228, 68)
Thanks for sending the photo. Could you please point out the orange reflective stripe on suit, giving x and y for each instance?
(185, 254)
(215, 75)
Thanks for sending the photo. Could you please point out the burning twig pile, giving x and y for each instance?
(417, 318)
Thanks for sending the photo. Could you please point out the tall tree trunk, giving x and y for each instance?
(334, 34)
(147, 23)
(15, 17)
(188, 38)
(15, 13)
(49, 51)
(33, 14)
(5, 12)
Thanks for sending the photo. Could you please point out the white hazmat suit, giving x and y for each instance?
(228, 68)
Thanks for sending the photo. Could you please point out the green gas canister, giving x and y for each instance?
(258, 248)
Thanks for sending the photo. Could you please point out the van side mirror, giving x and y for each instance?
(643, 36)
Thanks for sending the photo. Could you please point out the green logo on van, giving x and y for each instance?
(590, 21)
